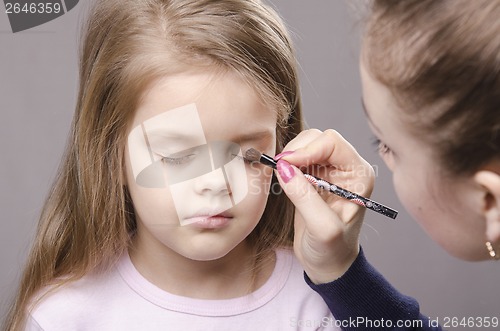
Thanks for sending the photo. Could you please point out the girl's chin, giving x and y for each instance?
(207, 250)
(206, 255)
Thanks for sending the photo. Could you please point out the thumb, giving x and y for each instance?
(314, 210)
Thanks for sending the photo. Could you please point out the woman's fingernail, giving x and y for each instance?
(281, 155)
(285, 170)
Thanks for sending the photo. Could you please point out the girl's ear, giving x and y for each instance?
(489, 180)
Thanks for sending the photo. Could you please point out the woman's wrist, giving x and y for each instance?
(327, 275)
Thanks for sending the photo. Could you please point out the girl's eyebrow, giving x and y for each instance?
(254, 136)
(159, 134)
(168, 134)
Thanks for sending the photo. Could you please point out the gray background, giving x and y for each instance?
(38, 84)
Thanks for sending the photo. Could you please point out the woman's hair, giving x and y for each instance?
(441, 61)
(88, 219)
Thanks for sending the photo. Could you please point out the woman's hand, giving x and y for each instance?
(326, 226)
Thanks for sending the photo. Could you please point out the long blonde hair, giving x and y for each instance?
(88, 219)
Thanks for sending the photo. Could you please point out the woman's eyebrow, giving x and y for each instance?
(368, 116)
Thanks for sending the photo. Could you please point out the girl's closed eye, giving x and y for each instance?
(177, 159)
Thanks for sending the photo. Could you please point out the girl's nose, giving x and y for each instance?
(213, 183)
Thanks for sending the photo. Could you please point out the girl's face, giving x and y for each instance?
(446, 209)
(192, 192)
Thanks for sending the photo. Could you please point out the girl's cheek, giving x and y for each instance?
(259, 178)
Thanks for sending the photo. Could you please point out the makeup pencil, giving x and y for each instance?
(255, 156)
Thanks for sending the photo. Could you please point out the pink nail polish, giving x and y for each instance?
(281, 155)
(285, 170)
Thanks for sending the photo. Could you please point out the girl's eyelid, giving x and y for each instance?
(180, 157)
(175, 155)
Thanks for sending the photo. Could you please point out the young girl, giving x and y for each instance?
(431, 89)
(163, 85)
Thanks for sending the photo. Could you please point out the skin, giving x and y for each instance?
(326, 227)
(187, 260)
(452, 210)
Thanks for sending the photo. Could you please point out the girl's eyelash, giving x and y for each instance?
(177, 160)
(186, 158)
(381, 147)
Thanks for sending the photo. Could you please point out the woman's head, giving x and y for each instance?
(431, 84)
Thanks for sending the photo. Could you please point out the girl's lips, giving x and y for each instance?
(209, 222)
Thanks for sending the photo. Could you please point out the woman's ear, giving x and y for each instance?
(489, 180)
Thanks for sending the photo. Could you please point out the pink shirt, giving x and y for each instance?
(123, 299)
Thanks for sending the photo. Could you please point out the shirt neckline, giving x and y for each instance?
(202, 307)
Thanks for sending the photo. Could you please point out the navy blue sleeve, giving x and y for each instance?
(362, 299)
